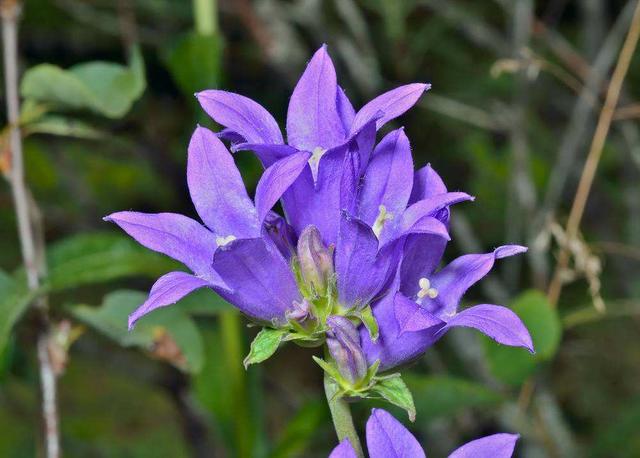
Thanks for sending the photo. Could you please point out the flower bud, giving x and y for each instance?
(343, 341)
(299, 312)
(281, 234)
(316, 265)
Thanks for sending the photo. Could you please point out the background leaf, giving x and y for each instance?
(513, 365)
(105, 88)
(168, 333)
(99, 257)
(443, 396)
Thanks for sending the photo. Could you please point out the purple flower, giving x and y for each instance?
(233, 254)
(245, 251)
(422, 302)
(321, 121)
(388, 438)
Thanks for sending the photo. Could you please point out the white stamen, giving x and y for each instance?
(314, 161)
(222, 241)
(382, 218)
(426, 290)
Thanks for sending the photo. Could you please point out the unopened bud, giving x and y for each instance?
(299, 312)
(316, 265)
(343, 341)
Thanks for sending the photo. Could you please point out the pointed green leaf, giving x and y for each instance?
(264, 345)
(393, 389)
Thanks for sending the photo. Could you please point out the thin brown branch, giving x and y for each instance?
(28, 218)
(595, 151)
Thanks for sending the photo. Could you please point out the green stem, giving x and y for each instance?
(205, 13)
(341, 414)
(232, 340)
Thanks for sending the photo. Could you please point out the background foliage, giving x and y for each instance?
(107, 112)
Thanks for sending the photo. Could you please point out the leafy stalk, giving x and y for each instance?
(341, 415)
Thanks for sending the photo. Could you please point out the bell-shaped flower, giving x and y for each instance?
(388, 438)
(320, 120)
(422, 302)
(235, 252)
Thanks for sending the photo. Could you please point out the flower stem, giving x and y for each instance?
(341, 415)
(205, 14)
(232, 339)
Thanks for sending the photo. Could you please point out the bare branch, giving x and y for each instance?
(28, 217)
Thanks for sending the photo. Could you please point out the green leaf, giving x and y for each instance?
(167, 333)
(105, 88)
(100, 257)
(369, 321)
(514, 365)
(194, 62)
(264, 345)
(330, 369)
(15, 298)
(300, 430)
(63, 127)
(443, 396)
(393, 389)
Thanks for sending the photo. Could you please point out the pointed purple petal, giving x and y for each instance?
(344, 450)
(432, 205)
(167, 290)
(392, 104)
(176, 236)
(312, 119)
(277, 179)
(426, 225)
(495, 446)
(388, 438)
(459, 275)
(260, 278)
(411, 317)
(357, 252)
(240, 115)
(217, 190)
(345, 110)
(391, 348)
(268, 154)
(387, 178)
(426, 183)
(498, 322)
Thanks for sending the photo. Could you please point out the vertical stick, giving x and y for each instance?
(24, 206)
(595, 151)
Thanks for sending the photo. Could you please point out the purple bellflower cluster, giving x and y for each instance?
(387, 438)
(353, 261)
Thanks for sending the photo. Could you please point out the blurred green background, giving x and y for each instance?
(517, 88)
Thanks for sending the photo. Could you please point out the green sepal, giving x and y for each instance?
(264, 345)
(393, 389)
(366, 316)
